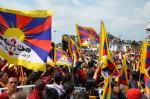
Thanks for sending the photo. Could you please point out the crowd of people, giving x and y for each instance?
(65, 80)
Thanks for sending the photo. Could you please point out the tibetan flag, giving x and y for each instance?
(107, 89)
(145, 60)
(62, 58)
(147, 63)
(74, 51)
(87, 36)
(147, 79)
(104, 54)
(123, 77)
(25, 37)
(50, 59)
(140, 61)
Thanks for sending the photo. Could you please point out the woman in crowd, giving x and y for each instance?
(3, 79)
(116, 92)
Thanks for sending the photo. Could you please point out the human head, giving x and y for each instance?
(50, 93)
(18, 95)
(81, 95)
(12, 84)
(90, 73)
(80, 60)
(35, 76)
(91, 63)
(68, 77)
(3, 62)
(69, 88)
(133, 93)
(3, 77)
(40, 85)
(90, 86)
(135, 75)
(49, 71)
(58, 79)
(115, 86)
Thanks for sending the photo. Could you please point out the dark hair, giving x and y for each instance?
(68, 77)
(90, 86)
(53, 44)
(1, 74)
(64, 69)
(90, 73)
(91, 63)
(40, 85)
(135, 75)
(68, 87)
(58, 78)
(81, 95)
(49, 72)
(28, 72)
(35, 76)
(12, 77)
(50, 93)
(113, 83)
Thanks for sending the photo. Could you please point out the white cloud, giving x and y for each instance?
(127, 18)
(146, 10)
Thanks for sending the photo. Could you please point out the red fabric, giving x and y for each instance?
(133, 93)
(4, 95)
(48, 78)
(34, 95)
(11, 73)
(81, 74)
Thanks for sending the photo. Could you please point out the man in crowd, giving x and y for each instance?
(18, 95)
(3, 79)
(12, 86)
(40, 86)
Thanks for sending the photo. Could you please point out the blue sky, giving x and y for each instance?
(121, 17)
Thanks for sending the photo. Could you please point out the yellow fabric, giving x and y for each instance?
(50, 63)
(143, 56)
(36, 66)
(61, 63)
(71, 41)
(125, 71)
(34, 13)
(117, 79)
(104, 39)
(10, 65)
(107, 86)
(3, 85)
(92, 97)
(87, 44)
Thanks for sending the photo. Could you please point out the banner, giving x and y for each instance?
(87, 36)
(62, 58)
(25, 37)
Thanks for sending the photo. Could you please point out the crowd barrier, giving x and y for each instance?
(28, 88)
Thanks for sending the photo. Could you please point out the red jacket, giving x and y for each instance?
(4, 95)
(34, 95)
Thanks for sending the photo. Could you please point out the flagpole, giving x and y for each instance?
(72, 70)
(54, 55)
(71, 57)
(100, 44)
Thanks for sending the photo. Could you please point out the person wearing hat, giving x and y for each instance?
(134, 93)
